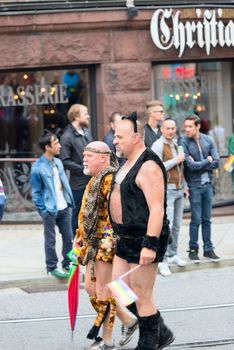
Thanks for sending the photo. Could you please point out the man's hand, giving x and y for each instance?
(77, 243)
(186, 193)
(210, 159)
(147, 256)
(191, 158)
(180, 158)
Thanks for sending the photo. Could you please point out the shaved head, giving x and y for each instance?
(96, 157)
(98, 147)
(130, 126)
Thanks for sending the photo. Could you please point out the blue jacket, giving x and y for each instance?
(193, 169)
(43, 188)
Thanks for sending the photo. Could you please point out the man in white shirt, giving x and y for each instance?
(52, 197)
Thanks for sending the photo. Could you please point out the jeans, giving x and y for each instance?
(175, 207)
(1, 211)
(201, 206)
(63, 221)
(2, 204)
(77, 195)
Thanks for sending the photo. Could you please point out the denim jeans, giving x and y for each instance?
(77, 195)
(63, 221)
(2, 204)
(201, 205)
(175, 206)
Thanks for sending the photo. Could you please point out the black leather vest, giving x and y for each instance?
(135, 212)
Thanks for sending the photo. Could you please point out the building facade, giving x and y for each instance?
(119, 57)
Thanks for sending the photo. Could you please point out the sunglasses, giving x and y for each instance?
(133, 118)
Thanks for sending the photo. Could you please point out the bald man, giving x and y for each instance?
(138, 216)
(95, 241)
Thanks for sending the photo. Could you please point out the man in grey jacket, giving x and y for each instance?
(201, 158)
(74, 138)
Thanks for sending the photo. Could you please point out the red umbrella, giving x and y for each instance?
(73, 294)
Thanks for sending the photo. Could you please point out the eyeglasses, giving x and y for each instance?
(133, 118)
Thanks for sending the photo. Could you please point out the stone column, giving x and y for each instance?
(123, 87)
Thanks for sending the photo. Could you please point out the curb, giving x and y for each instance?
(202, 265)
(49, 283)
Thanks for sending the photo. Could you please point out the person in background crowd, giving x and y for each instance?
(2, 200)
(73, 140)
(231, 151)
(201, 158)
(167, 150)
(95, 242)
(71, 79)
(138, 215)
(52, 197)
(155, 115)
(109, 137)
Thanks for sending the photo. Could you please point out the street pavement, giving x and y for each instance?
(196, 301)
(22, 252)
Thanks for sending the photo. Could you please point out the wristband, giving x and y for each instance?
(150, 243)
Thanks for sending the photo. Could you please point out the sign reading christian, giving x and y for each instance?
(167, 30)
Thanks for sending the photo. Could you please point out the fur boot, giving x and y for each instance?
(153, 333)
(103, 308)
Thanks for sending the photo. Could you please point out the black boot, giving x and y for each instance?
(148, 332)
(165, 335)
(153, 333)
(132, 308)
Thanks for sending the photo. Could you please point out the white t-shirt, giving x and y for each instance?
(61, 203)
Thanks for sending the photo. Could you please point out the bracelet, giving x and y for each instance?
(150, 243)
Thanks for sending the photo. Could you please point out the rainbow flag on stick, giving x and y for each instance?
(229, 165)
(122, 291)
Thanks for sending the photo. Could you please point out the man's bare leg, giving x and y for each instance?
(142, 282)
(103, 277)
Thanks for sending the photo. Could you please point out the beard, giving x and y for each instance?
(84, 124)
(86, 171)
(119, 154)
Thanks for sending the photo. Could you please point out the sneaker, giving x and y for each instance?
(193, 255)
(164, 269)
(95, 345)
(210, 254)
(103, 346)
(66, 268)
(177, 261)
(127, 332)
(58, 273)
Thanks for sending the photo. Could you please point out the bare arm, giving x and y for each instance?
(150, 180)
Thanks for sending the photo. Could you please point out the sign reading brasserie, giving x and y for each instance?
(32, 94)
(207, 32)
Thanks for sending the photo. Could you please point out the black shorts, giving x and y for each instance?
(129, 249)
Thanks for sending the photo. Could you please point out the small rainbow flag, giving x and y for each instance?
(122, 292)
(229, 165)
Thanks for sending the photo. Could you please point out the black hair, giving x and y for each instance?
(133, 118)
(195, 118)
(45, 140)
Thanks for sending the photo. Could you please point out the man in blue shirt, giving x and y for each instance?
(201, 158)
(52, 197)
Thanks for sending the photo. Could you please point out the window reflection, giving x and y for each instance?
(204, 88)
(33, 101)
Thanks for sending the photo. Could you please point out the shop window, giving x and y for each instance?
(204, 88)
(34, 101)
